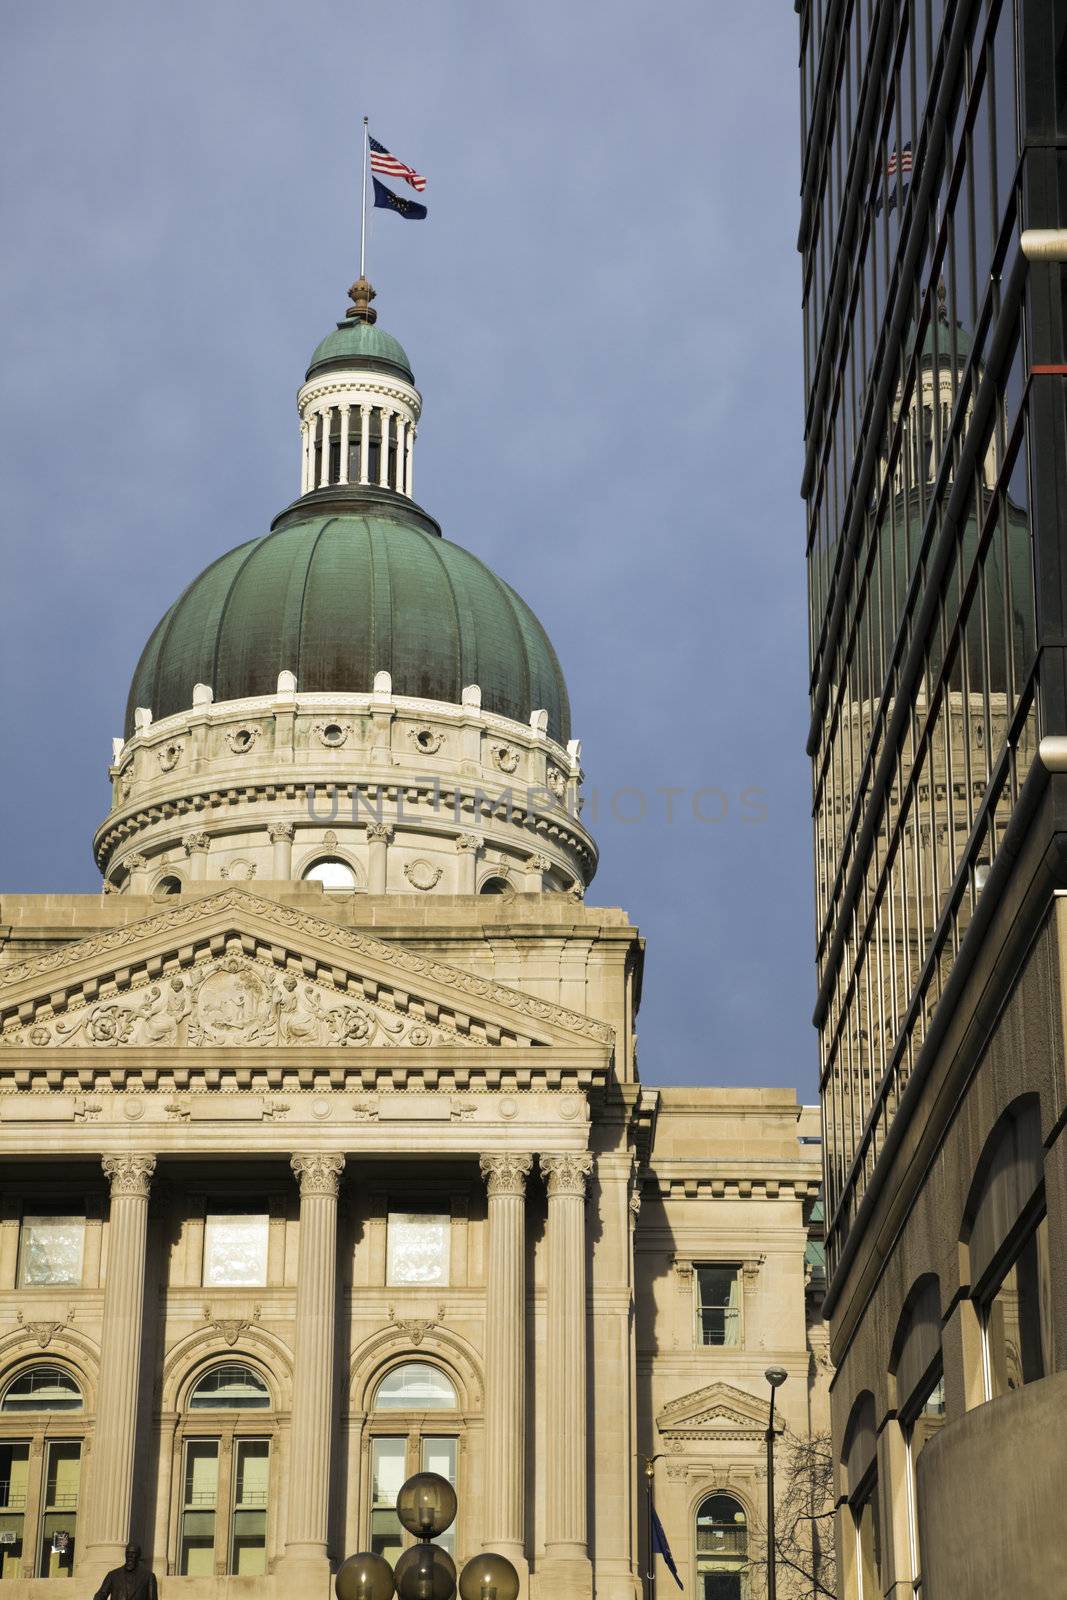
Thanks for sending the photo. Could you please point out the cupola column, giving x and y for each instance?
(401, 445)
(409, 455)
(305, 449)
(364, 443)
(324, 472)
(383, 465)
(346, 412)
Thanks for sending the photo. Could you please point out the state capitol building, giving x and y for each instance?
(325, 1153)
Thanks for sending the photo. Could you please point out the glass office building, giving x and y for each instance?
(935, 480)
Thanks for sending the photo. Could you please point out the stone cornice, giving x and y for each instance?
(780, 1179)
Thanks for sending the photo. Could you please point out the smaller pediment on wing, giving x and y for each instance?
(234, 969)
(718, 1411)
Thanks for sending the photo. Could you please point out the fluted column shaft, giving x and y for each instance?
(401, 454)
(316, 1293)
(364, 443)
(566, 1511)
(324, 460)
(383, 460)
(111, 1479)
(346, 412)
(505, 1355)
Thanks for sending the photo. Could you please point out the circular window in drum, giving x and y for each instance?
(230, 1388)
(416, 1386)
(335, 875)
(42, 1389)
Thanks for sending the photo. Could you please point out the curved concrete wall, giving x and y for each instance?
(991, 1498)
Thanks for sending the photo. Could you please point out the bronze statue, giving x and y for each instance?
(131, 1581)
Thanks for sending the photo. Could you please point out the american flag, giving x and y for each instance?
(382, 161)
(899, 161)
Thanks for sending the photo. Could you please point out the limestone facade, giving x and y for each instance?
(464, 1061)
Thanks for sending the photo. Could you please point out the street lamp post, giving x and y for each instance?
(775, 1376)
(426, 1505)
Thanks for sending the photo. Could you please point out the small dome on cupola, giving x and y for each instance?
(357, 340)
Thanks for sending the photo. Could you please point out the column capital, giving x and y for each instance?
(281, 832)
(469, 841)
(566, 1172)
(506, 1172)
(129, 1175)
(194, 841)
(380, 832)
(318, 1174)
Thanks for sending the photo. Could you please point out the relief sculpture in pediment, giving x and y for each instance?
(233, 1001)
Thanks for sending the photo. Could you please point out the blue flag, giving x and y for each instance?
(411, 209)
(661, 1547)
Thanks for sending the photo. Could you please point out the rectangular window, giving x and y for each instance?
(439, 1455)
(1017, 1319)
(14, 1471)
(718, 1306)
(388, 1471)
(248, 1538)
(418, 1247)
(59, 1513)
(51, 1250)
(235, 1248)
(200, 1483)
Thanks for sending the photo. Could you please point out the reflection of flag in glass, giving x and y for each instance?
(899, 161)
(662, 1548)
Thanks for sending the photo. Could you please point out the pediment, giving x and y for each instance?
(718, 1411)
(236, 970)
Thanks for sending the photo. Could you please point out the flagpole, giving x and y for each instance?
(363, 207)
(650, 1467)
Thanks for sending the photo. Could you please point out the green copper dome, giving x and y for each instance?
(340, 592)
(358, 343)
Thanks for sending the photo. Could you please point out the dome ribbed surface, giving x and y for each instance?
(337, 598)
(353, 341)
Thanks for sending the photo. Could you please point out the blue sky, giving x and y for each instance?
(603, 315)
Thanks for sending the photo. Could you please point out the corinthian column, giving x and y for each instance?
(111, 1480)
(566, 1515)
(505, 1350)
(316, 1293)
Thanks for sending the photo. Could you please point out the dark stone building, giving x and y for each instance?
(934, 142)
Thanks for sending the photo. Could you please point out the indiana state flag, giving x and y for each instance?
(662, 1548)
(411, 209)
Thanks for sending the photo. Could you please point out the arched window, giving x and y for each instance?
(335, 875)
(421, 1442)
(39, 1474)
(416, 1386)
(721, 1548)
(224, 1467)
(42, 1389)
(230, 1388)
(171, 884)
(494, 886)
